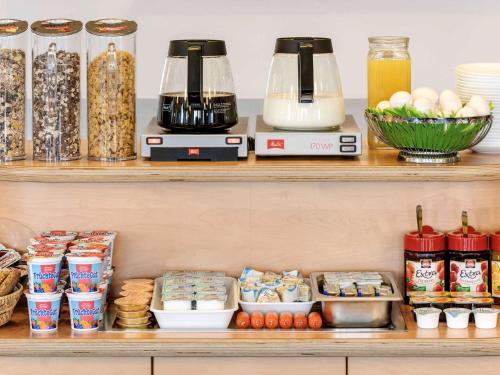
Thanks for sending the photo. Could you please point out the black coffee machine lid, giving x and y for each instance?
(292, 44)
(179, 48)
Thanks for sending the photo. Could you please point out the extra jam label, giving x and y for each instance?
(45, 277)
(470, 275)
(85, 314)
(495, 278)
(43, 315)
(85, 278)
(425, 275)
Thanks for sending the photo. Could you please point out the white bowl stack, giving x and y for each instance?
(482, 79)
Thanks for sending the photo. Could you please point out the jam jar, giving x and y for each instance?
(469, 258)
(425, 261)
(495, 266)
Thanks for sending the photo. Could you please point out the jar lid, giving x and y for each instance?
(10, 27)
(292, 44)
(495, 241)
(431, 241)
(475, 241)
(111, 27)
(56, 27)
(179, 48)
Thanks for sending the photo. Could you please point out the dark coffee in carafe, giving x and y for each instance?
(216, 112)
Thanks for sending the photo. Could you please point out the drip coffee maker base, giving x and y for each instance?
(343, 140)
(159, 144)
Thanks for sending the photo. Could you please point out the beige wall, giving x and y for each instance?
(443, 33)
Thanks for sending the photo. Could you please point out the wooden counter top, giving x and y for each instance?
(16, 340)
(371, 166)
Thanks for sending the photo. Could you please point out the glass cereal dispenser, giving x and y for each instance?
(12, 88)
(111, 89)
(56, 89)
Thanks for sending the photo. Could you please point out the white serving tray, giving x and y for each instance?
(279, 307)
(193, 319)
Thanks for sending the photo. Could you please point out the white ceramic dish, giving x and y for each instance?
(427, 317)
(457, 318)
(486, 318)
(193, 319)
(279, 307)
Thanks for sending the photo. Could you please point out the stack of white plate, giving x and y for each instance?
(482, 79)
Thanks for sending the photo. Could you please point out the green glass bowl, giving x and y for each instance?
(429, 140)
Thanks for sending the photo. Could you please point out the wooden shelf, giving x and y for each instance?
(371, 166)
(16, 340)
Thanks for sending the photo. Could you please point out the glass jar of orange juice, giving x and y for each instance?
(389, 70)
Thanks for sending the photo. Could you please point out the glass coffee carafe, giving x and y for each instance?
(197, 90)
(304, 90)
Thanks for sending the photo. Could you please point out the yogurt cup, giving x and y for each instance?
(85, 272)
(427, 317)
(46, 249)
(486, 317)
(60, 235)
(43, 311)
(457, 317)
(93, 248)
(44, 273)
(86, 310)
(47, 241)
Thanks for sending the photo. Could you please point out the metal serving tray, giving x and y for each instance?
(356, 312)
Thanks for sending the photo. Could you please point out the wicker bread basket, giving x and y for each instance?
(8, 304)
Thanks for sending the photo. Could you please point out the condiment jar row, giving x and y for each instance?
(56, 89)
(461, 262)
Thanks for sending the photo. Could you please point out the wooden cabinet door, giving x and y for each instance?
(76, 365)
(250, 365)
(423, 365)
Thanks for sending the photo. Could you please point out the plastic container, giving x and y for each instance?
(469, 257)
(60, 235)
(425, 261)
(457, 318)
(486, 317)
(56, 89)
(495, 266)
(194, 319)
(85, 273)
(44, 311)
(111, 89)
(427, 317)
(86, 310)
(44, 273)
(279, 307)
(12, 89)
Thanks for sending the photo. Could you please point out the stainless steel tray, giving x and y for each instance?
(356, 312)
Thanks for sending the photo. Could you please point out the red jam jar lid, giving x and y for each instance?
(431, 241)
(475, 241)
(495, 241)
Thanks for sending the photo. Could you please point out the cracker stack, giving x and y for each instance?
(133, 305)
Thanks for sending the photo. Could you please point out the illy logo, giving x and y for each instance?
(276, 144)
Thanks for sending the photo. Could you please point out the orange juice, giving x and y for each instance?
(385, 77)
(389, 70)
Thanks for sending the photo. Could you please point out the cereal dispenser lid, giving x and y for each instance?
(495, 241)
(56, 27)
(431, 241)
(10, 27)
(293, 44)
(475, 241)
(111, 27)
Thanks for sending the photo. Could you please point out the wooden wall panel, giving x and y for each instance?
(305, 225)
(254, 365)
(424, 365)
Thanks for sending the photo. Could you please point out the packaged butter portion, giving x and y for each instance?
(366, 291)
(304, 293)
(268, 295)
(288, 293)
